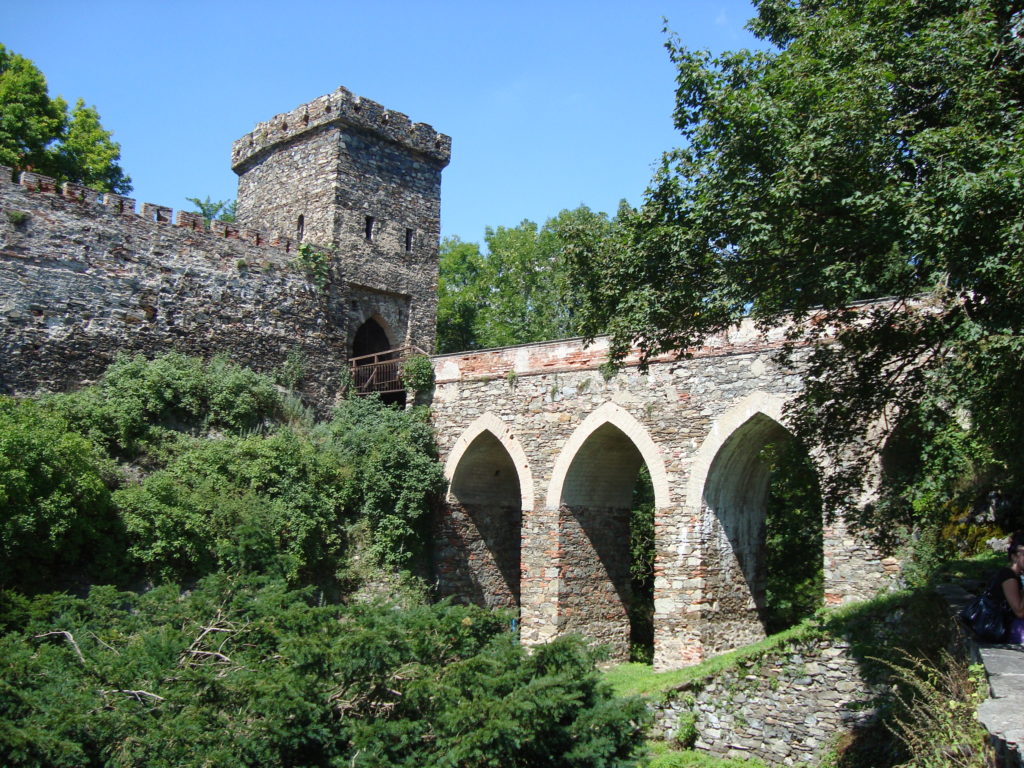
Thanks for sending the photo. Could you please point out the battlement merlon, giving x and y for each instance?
(342, 107)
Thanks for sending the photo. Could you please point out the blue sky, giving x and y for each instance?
(549, 105)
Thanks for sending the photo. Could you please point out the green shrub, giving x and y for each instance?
(418, 373)
(56, 519)
(315, 262)
(269, 504)
(17, 218)
(396, 476)
(137, 399)
(935, 712)
(250, 674)
(290, 373)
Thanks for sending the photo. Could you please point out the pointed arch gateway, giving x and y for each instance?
(591, 493)
(479, 531)
(371, 338)
(728, 496)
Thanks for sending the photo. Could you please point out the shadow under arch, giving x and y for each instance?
(592, 490)
(729, 491)
(371, 337)
(479, 533)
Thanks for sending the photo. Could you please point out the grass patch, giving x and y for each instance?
(979, 567)
(634, 679)
(661, 755)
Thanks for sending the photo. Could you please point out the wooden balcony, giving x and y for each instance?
(381, 372)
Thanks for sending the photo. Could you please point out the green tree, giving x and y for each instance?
(873, 150)
(517, 292)
(459, 294)
(30, 121)
(38, 134)
(88, 155)
(221, 210)
(260, 504)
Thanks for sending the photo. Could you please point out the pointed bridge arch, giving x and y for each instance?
(480, 527)
(591, 498)
(598, 422)
(500, 432)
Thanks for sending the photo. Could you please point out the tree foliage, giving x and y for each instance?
(641, 569)
(793, 546)
(515, 293)
(872, 150)
(37, 133)
(221, 210)
(29, 118)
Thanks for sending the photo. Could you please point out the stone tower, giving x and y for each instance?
(346, 173)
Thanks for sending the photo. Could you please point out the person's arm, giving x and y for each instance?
(1011, 589)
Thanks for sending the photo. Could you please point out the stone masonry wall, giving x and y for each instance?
(594, 575)
(553, 407)
(784, 708)
(477, 554)
(85, 277)
(346, 173)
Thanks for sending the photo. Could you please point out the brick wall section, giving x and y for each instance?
(476, 554)
(84, 278)
(549, 395)
(339, 162)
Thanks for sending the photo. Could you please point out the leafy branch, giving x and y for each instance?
(315, 261)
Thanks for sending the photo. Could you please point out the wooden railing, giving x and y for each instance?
(381, 372)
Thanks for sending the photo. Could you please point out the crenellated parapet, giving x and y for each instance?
(86, 276)
(158, 214)
(345, 108)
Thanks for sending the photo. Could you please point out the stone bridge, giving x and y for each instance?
(542, 454)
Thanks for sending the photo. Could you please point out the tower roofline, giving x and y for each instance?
(341, 107)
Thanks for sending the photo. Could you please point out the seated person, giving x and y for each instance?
(1006, 586)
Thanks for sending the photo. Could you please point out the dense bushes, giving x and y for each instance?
(55, 505)
(205, 476)
(137, 401)
(395, 473)
(210, 479)
(250, 674)
(263, 503)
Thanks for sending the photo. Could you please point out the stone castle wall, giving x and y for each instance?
(786, 707)
(86, 277)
